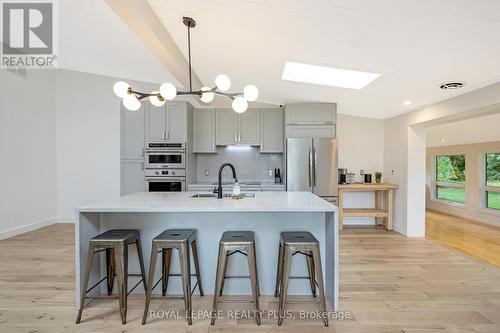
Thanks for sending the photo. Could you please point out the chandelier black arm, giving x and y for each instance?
(142, 95)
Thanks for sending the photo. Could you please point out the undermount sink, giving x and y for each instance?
(225, 195)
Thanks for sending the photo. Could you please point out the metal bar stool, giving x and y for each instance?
(292, 243)
(115, 242)
(232, 242)
(179, 239)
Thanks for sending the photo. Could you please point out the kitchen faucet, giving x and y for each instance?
(219, 188)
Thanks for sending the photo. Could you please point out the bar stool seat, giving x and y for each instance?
(232, 242)
(115, 242)
(164, 243)
(304, 243)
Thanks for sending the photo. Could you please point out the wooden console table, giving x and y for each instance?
(380, 211)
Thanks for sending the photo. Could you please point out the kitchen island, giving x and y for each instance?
(266, 214)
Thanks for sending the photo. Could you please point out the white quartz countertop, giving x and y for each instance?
(182, 202)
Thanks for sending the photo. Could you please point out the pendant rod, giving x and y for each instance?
(189, 56)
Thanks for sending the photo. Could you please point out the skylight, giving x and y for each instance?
(326, 76)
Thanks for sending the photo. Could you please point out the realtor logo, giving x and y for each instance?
(28, 34)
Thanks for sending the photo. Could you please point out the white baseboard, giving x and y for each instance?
(26, 228)
(65, 220)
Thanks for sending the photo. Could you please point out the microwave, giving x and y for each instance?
(164, 159)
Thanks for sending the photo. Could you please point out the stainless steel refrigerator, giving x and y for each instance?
(311, 165)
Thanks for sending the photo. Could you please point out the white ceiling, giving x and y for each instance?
(414, 44)
(93, 39)
(475, 130)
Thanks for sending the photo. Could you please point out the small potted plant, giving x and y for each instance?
(378, 177)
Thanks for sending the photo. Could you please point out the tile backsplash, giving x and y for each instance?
(250, 164)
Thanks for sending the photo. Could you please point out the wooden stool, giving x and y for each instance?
(232, 242)
(179, 239)
(115, 242)
(292, 243)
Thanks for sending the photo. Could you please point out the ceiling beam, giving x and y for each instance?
(143, 21)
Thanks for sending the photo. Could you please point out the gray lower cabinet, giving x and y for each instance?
(237, 128)
(132, 176)
(271, 130)
(204, 131)
(167, 123)
(132, 133)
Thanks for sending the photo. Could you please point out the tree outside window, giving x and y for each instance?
(450, 178)
(493, 180)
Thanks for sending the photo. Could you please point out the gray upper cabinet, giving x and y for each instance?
(155, 120)
(249, 127)
(310, 114)
(226, 127)
(167, 123)
(132, 133)
(310, 131)
(176, 122)
(204, 131)
(271, 130)
(234, 128)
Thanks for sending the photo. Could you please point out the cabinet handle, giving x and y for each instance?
(166, 134)
(213, 145)
(239, 137)
(235, 137)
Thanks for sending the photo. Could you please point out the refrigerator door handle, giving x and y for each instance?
(310, 166)
(315, 166)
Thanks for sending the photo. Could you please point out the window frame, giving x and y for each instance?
(484, 188)
(437, 184)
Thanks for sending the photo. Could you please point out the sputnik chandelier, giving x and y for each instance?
(167, 91)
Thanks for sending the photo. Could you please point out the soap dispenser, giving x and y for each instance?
(236, 188)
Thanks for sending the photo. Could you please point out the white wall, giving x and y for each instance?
(476, 130)
(474, 206)
(361, 146)
(27, 151)
(88, 139)
(404, 150)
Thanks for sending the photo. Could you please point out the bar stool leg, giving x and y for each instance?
(287, 262)
(184, 260)
(279, 271)
(194, 249)
(252, 268)
(151, 276)
(310, 268)
(141, 263)
(110, 265)
(166, 255)
(221, 262)
(319, 273)
(84, 286)
(223, 278)
(121, 279)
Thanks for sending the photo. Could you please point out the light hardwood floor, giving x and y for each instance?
(475, 239)
(389, 283)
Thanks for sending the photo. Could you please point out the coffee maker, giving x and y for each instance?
(342, 176)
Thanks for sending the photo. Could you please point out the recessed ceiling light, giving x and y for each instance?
(326, 76)
(443, 140)
(407, 103)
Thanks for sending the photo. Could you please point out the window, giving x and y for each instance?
(493, 180)
(450, 178)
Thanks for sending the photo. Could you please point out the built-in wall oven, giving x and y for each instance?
(161, 155)
(165, 167)
(165, 180)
